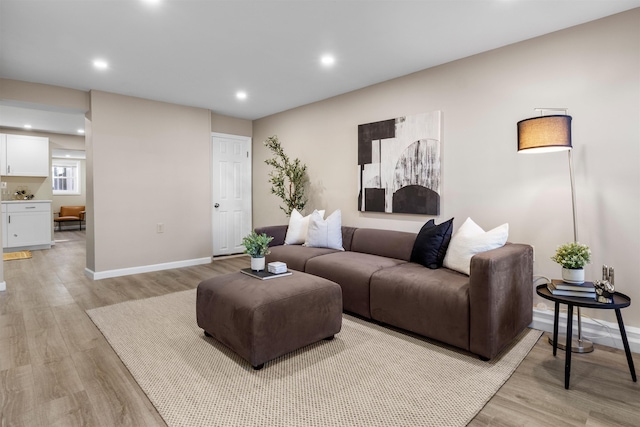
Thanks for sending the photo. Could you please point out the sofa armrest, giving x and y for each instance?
(278, 232)
(500, 297)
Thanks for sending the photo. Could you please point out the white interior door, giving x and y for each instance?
(231, 192)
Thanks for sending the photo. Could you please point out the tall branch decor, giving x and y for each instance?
(288, 178)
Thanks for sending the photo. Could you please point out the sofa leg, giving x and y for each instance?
(329, 338)
(207, 334)
(258, 367)
(484, 359)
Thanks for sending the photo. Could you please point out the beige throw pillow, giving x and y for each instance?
(325, 233)
(298, 227)
(471, 239)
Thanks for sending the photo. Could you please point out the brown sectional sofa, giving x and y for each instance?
(481, 313)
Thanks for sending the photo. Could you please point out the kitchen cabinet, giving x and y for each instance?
(26, 225)
(23, 155)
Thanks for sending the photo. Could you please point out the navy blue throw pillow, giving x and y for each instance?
(431, 244)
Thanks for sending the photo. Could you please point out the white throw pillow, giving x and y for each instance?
(298, 226)
(325, 233)
(471, 239)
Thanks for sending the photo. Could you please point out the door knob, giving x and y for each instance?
(217, 205)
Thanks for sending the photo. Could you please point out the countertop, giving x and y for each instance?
(26, 201)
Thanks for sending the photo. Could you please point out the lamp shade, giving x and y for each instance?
(544, 134)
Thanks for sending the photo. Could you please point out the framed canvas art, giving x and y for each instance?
(399, 165)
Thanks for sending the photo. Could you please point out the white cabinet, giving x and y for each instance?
(23, 155)
(26, 224)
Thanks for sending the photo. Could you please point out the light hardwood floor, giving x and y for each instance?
(56, 368)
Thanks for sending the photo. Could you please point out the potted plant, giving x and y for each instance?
(288, 178)
(572, 257)
(257, 246)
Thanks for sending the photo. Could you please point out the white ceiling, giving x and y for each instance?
(201, 52)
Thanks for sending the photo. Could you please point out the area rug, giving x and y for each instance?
(367, 376)
(16, 255)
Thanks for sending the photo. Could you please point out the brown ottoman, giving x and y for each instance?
(264, 319)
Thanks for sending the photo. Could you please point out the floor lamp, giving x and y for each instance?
(546, 134)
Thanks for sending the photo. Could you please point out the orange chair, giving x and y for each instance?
(70, 213)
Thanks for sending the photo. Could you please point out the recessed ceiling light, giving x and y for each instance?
(100, 64)
(242, 95)
(80, 130)
(327, 60)
(27, 126)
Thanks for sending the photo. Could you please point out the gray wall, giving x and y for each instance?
(151, 163)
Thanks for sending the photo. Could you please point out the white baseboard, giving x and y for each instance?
(598, 332)
(3, 286)
(27, 248)
(97, 275)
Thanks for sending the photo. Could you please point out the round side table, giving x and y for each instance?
(619, 301)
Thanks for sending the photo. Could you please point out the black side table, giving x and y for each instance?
(619, 301)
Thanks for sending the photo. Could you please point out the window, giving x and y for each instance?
(66, 176)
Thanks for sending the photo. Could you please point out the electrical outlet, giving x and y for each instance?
(3, 185)
(159, 227)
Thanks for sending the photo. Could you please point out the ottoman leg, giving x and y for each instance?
(329, 338)
(260, 366)
(207, 334)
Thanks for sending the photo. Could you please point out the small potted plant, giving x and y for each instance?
(257, 246)
(572, 257)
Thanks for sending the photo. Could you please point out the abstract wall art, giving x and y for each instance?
(399, 165)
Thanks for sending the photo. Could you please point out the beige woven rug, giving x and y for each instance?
(367, 376)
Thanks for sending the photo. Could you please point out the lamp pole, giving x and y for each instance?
(582, 345)
(573, 198)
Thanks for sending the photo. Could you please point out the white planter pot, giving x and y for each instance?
(573, 275)
(257, 264)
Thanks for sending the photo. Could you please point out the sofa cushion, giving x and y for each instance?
(347, 237)
(325, 233)
(431, 244)
(384, 243)
(295, 256)
(471, 239)
(433, 303)
(278, 232)
(352, 271)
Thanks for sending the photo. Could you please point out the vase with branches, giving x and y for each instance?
(288, 178)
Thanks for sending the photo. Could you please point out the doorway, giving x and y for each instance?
(231, 192)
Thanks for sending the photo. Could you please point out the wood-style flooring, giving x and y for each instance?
(56, 368)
